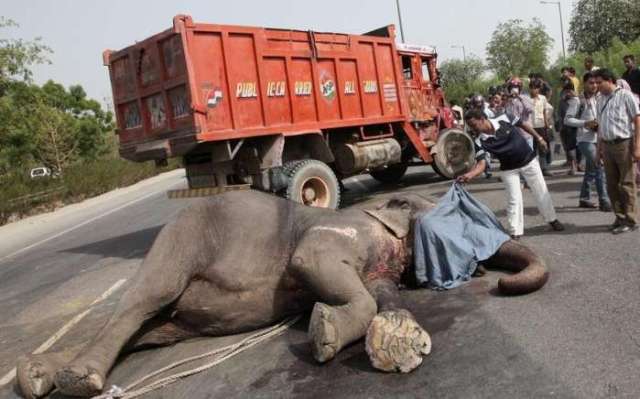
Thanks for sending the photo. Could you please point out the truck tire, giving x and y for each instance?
(434, 166)
(454, 153)
(391, 174)
(312, 183)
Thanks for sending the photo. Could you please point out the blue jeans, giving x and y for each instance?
(593, 173)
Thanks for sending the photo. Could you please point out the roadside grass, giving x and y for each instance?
(21, 196)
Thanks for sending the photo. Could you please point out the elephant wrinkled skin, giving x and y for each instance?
(244, 260)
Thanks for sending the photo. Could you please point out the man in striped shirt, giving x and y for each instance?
(619, 146)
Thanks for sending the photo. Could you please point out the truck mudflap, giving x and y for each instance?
(454, 153)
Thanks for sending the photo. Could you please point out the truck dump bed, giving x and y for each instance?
(202, 82)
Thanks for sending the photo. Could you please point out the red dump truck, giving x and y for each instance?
(285, 111)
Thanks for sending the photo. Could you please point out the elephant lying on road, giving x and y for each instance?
(244, 260)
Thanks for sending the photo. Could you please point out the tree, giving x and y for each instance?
(17, 56)
(517, 48)
(47, 125)
(461, 78)
(56, 141)
(595, 23)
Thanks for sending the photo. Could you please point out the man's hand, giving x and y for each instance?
(636, 153)
(542, 144)
(466, 178)
(591, 125)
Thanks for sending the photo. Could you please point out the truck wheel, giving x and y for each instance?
(391, 174)
(434, 166)
(312, 183)
(454, 153)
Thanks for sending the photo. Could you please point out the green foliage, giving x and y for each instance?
(22, 196)
(47, 125)
(610, 58)
(16, 56)
(517, 48)
(596, 23)
(462, 78)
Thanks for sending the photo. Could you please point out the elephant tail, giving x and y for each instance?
(530, 271)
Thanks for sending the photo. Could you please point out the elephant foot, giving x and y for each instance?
(35, 376)
(323, 333)
(74, 380)
(396, 342)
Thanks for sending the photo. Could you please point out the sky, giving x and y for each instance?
(79, 30)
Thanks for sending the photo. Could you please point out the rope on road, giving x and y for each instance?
(220, 355)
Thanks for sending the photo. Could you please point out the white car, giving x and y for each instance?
(40, 172)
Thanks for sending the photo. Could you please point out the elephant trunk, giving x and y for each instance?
(530, 270)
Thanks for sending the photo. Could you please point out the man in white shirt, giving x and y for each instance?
(582, 114)
(619, 144)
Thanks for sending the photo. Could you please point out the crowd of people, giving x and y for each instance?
(597, 118)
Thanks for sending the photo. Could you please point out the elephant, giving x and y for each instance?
(243, 260)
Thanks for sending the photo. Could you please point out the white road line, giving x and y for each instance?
(93, 219)
(65, 329)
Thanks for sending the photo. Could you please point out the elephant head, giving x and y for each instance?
(399, 213)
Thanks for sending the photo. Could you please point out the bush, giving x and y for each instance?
(22, 196)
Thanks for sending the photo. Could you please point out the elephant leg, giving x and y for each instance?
(34, 373)
(347, 307)
(395, 341)
(159, 331)
(163, 276)
(530, 270)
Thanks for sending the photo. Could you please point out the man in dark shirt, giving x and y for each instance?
(632, 74)
(502, 138)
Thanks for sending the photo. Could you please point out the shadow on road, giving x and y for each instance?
(129, 246)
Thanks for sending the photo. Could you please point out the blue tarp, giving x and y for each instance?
(452, 238)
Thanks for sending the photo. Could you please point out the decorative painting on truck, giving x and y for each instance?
(147, 68)
(179, 103)
(157, 114)
(173, 56)
(327, 87)
(123, 80)
(131, 115)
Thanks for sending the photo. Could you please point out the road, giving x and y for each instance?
(579, 337)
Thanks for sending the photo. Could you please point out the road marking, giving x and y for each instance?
(93, 219)
(65, 329)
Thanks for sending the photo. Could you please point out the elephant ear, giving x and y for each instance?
(395, 215)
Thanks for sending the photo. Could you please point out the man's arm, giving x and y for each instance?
(475, 171)
(636, 138)
(529, 129)
(571, 117)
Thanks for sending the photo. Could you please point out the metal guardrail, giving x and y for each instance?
(34, 196)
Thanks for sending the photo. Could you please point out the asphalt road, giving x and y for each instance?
(579, 337)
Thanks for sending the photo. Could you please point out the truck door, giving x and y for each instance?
(428, 87)
(412, 85)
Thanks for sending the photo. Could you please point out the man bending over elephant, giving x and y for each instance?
(210, 272)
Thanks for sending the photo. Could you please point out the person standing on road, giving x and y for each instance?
(502, 138)
(632, 73)
(568, 134)
(619, 146)
(540, 106)
(583, 116)
(478, 102)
